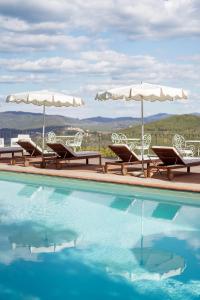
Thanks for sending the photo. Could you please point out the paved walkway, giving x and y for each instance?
(182, 181)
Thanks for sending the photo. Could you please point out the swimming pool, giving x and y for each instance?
(72, 239)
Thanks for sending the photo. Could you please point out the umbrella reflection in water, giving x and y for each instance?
(42, 240)
(148, 263)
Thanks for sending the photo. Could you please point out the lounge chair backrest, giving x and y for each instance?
(1, 142)
(124, 153)
(168, 155)
(61, 150)
(30, 147)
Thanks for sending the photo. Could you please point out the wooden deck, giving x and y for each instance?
(182, 181)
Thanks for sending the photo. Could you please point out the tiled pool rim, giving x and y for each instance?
(106, 178)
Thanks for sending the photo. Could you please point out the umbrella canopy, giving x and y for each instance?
(143, 92)
(45, 98)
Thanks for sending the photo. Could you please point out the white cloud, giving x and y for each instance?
(30, 78)
(19, 25)
(79, 45)
(12, 42)
(135, 19)
(111, 67)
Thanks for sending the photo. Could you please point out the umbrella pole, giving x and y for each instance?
(142, 133)
(43, 128)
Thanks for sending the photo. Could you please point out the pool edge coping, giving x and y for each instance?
(155, 185)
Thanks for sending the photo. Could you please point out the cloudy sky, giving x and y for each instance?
(81, 47)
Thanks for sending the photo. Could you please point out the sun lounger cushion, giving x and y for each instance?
(170, 156)
(66, 152)
(30, 147)
(127, 155)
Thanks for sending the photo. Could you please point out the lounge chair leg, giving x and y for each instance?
(124, 170)
(87, 161)
(106, 168)
(170, 175)
(188, 169)
(26, 163)
(43, 164)
(148, 172)
(58, 165)
(100, 162)
(13, 161)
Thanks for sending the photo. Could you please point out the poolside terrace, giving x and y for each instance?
(78, 170)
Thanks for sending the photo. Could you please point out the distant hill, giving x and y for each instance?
(162, 127)
(108, 120)
(163, 130)
(23, 120)
(126, 119)
(32, 121)
(176, 123)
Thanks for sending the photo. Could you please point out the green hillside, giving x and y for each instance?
(188, 124)
(162, 131)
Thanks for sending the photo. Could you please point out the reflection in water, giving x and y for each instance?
(146, 242)
(151, 264)
(160, 264)
(148, 263)
(40, 239)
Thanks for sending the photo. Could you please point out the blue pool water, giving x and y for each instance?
(70, 239)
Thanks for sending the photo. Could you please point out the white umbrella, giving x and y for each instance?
(143, 92)
(45, 98)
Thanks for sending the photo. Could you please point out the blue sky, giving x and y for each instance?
(82, 47)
